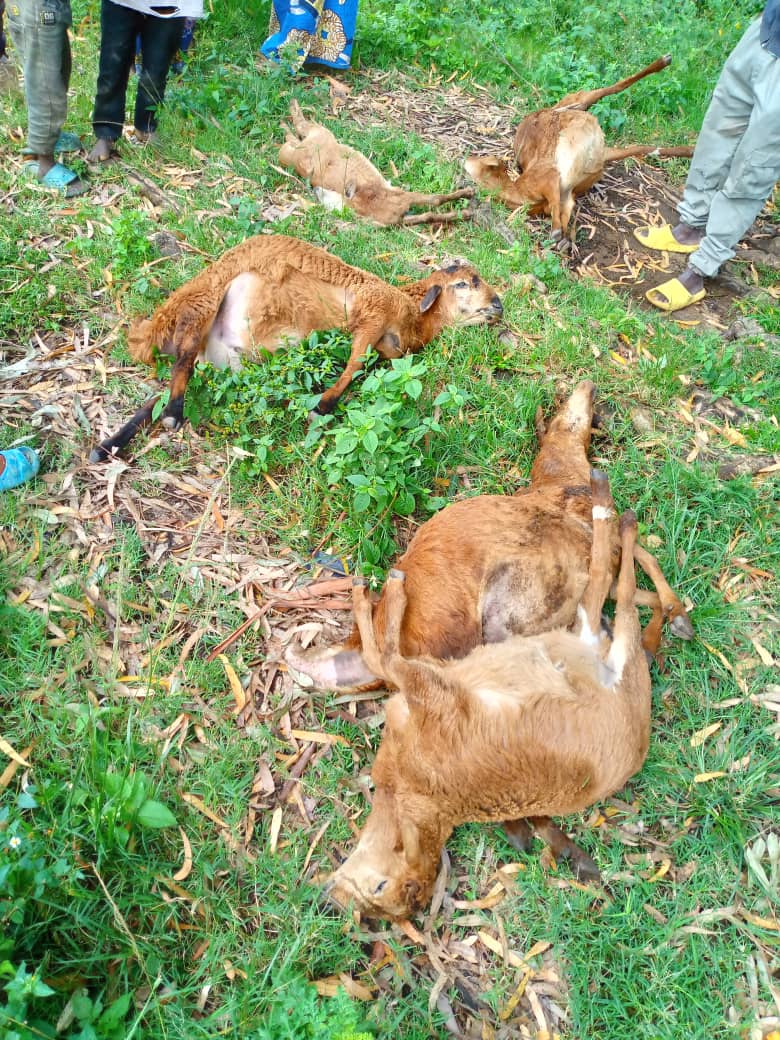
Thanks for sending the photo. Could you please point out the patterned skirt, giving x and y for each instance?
(320, 31)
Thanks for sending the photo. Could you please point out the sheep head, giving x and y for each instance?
(461, 297)
(563, 455)
(393, 868)
(492, 173)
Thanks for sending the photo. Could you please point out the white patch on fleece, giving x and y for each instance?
(602, 513)
(588, 637)
(330, 199)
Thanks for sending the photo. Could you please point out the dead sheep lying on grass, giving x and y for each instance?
(272, 289)
(561, 153)
(344, 178)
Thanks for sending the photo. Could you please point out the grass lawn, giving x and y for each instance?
(168, 803)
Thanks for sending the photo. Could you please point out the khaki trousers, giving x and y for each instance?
(737, 159)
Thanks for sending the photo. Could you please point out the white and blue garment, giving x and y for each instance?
(320, 31)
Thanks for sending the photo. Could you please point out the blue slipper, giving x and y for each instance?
(16, 466)
(66, 142)
(59, 178)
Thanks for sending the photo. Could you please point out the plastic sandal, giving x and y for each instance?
(16, 466)
(661, 238)
(676, 296)
(59, 178)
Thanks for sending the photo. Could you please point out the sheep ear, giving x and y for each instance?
(410, 839)
(430, 298)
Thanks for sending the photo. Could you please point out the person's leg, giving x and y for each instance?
(724, 124)
(160, 41)
(755, 169)
(39, 29)
(118, 27)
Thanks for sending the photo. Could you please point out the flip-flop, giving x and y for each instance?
(677, 296)
(58, 178)
(20, 464)
(66, 142)
(661, 238)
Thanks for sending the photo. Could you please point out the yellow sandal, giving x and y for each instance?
(676, 296)
(661, 238)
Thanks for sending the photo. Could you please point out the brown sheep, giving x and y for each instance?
(544, 724)
(493, 566)
(272, 289)
(496, 566)
(343, 177)
(560, 153)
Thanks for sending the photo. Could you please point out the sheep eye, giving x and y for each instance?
(461, 285)
(380, 887)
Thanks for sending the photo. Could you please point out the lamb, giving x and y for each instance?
(489, 567)
(561, 153)
(544, 724)
(343, 177)
(271, 289)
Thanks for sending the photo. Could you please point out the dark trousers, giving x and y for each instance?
(159, 42)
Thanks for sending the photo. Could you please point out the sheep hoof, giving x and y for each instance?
(397, 575)
(681, 627)
(584, 867)
(359, 582)
(99, 454)
(170, 422)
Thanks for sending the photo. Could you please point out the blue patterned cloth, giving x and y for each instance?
(320, 31)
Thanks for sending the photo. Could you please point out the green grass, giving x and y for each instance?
(88, 902)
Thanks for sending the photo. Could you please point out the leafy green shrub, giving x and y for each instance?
(298, 1013)
(374, 449)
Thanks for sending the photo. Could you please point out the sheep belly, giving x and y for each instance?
(580, 153)
(229, 336)
(261, 313)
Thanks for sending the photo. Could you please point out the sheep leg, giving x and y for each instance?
(626, 632)
(432, 217)
(583, 99)
(363, 614)
(519, 834)
(651, 634)
(673, 609)
(417, 198)
(187, 348)
(143, 417)
(600, 573)
(395, 607)
(360, 344)
(564, 848)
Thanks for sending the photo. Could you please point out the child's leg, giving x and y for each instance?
(161, 38)
(40, 35)
(117, 49)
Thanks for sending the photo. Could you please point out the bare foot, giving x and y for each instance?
(102, 150)
(690, 279)
(146, 136)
